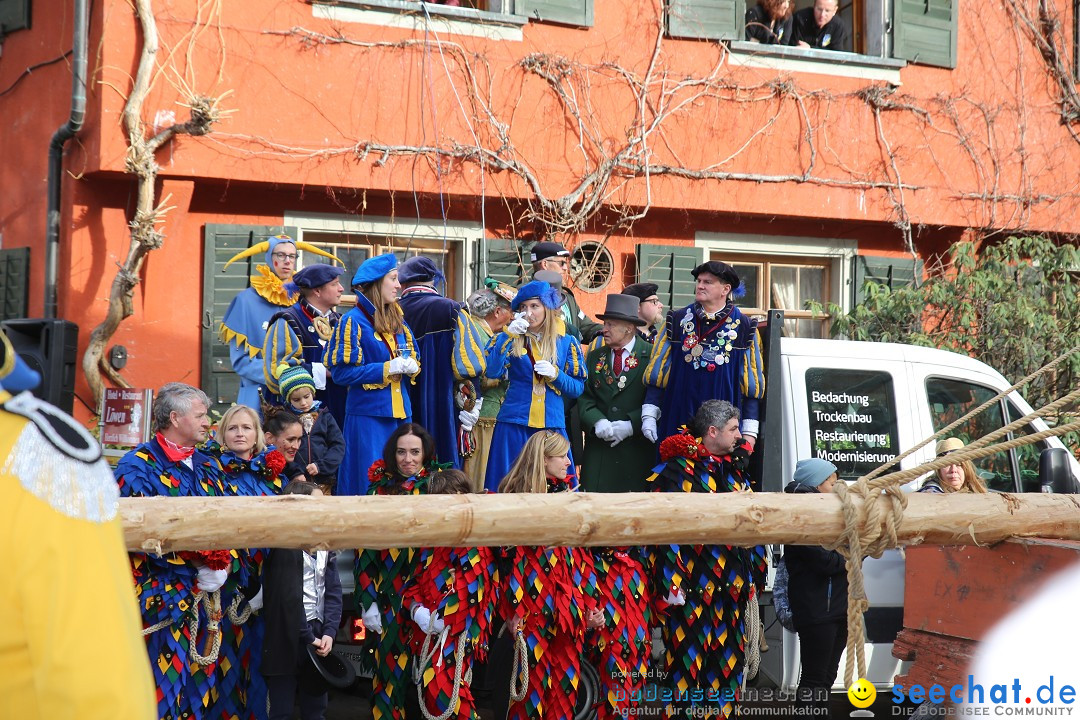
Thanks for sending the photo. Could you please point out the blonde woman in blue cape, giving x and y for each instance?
(544, 366)
(372, 351)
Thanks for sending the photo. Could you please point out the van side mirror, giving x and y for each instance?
(1054, 475)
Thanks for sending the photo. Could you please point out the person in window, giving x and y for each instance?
(817, 592)
(820, 28)
(373, 353)
(769, 22)
(960, 477)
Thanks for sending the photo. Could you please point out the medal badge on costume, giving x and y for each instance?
(322, 328)
(826, 40)
(622, 382)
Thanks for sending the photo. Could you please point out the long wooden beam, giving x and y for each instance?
(168, 524)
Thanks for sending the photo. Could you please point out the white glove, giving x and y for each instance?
(256, 602)
(411, 366)
(649, 416)
(519, 325)
(318, 374)
(211, 580)
(603, 429)
(545, 369)
(468, 418)
(373, 619)
(398, 365)
(620, 430)
(675, 597)
(430, 623)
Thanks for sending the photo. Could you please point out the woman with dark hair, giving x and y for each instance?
(381, 575)
(769, 22)
(373, 353)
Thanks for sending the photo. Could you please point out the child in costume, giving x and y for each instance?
(452, 600)
(322, 447)
(382, 575)
(303, 607)
(546, 599)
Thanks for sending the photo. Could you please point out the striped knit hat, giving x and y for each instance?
(293, 377)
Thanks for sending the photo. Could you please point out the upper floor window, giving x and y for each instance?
(918, 31)
(513, 12)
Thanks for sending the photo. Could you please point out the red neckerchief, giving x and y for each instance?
(723, 316)
(391, 348)
(175, 453)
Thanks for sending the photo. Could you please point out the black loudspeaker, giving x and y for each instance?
(51, 348)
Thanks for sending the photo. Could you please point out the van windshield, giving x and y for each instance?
(950, 399)
(852, 418)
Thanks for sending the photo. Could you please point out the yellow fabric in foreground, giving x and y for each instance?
(70, 642)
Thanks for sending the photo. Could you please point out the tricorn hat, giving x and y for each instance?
(622, 307)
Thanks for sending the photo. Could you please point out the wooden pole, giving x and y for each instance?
(162, 525)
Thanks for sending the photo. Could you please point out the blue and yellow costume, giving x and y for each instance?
(69, 642)
(381, 578)
(532, 403)
(705, 357)
(442, 330)
(242, 644)
(166, 585)
(704, 638)
(359, 357)
(244, 326)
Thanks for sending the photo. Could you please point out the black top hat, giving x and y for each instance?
(332, 670)
(622, 307)
(722, 270)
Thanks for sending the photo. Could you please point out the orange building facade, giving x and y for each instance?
(639, 134)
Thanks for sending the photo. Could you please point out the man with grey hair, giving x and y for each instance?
(479, 399)
(708, 586)
(171, 464)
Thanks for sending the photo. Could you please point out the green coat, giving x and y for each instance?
(622, 468)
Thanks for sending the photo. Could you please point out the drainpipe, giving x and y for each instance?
(56, 154)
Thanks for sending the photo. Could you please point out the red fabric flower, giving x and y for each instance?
(213, 559)
(275, 461)
(680, 445)
(376, 471)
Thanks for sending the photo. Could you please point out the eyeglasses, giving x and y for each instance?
(561, 262)
(655, 301)
(284, 257)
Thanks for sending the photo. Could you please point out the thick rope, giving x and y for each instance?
(212, 602)
(427, 652)
(519, 674)
(239, 618)
(752, 638)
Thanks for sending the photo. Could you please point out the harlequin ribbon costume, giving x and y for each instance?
(453, 346)
(69, 640)
(703, 357)
(552, 590)
(166, 584)
(241, 645)
(532, 403)
(381, 578)
(359, 358)
(244, 326)
(461, 585)
(704, 638)
(620, 649)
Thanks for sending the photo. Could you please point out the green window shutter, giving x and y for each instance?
(706, 19)
(221, 242)
(567, 12)
(669, 267)
(890, 271)
(508, 261)
(14, 288)
(925, 31)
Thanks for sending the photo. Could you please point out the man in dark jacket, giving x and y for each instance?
(817, 591)
(302, 606)
(820, 28)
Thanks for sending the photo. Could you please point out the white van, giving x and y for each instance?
(859, 404)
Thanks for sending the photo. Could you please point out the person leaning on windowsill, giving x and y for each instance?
(820, 28)
(769, 22)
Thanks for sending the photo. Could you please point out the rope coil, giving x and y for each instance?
(427, 652)
(519, 674)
